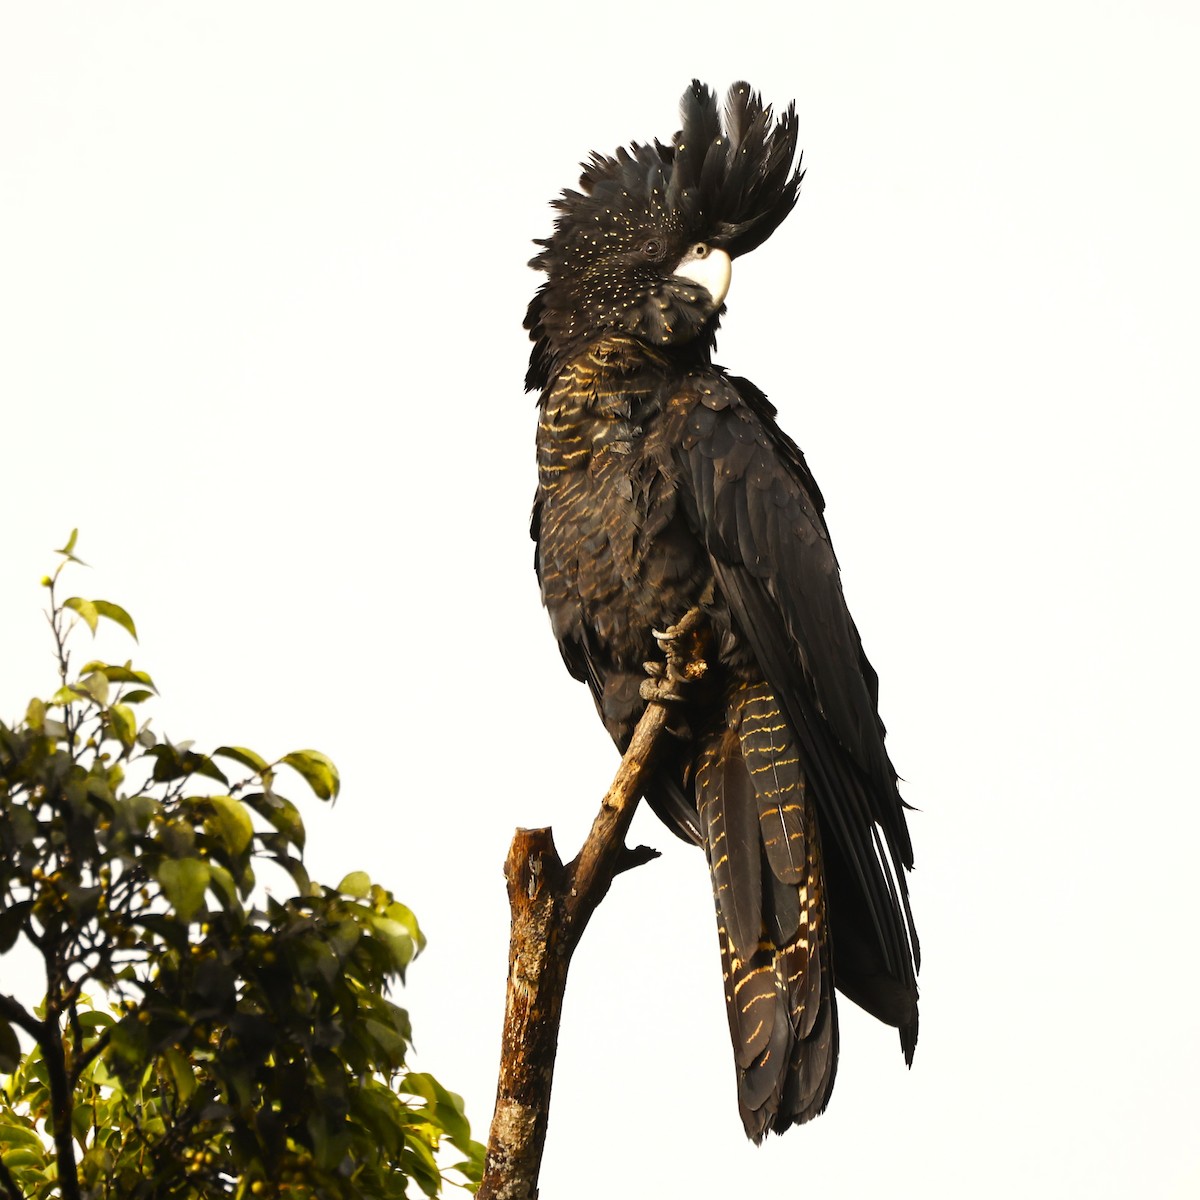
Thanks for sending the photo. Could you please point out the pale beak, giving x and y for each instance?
(710, 268)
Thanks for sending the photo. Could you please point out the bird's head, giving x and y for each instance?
(645, 247)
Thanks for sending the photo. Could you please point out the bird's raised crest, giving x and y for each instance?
(727, 179)
(730, 172)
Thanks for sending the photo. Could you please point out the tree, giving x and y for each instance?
(195, 1039)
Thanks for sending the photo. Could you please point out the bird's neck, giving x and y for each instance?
(621, 357)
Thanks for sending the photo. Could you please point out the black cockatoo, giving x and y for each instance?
(666, 490)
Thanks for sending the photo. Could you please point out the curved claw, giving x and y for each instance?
(681, 645)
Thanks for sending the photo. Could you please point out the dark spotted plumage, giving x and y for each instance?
(665, 484)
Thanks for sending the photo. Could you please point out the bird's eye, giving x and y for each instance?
(652, 248)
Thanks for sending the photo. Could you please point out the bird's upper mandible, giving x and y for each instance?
(708, 266)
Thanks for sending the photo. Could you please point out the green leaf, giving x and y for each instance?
(137, 696)
(232, 823)
(283, 814)
(318, 771)
(447, 1106)
(382, 1113)
(392, 1045)
(124, 724)
(96, 686)
(86, 609)
(67, 550)
(118, 674)
(175, 762)
(20, 1160)
(134, 813)
(10, 1049)
(114, 612)
(184, 881)
(356, 884)
(35, 715)
(407, 918)
(181, 1073)
(472, 1168)
(224, 887)
(242, 755)
(201, 764)
(295, 868)
(81, 1121)
(417, 1159)
(17, 1135)
(397, 940)
(95, 1019)
(128, 1041)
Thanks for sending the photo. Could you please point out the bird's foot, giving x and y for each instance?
(683, 651)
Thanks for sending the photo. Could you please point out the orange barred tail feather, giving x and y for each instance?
(764, 851)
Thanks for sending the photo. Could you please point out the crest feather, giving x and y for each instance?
(727, 176)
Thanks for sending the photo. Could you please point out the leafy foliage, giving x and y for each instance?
(195, 1040)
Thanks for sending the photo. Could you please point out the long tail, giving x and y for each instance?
(764, 851)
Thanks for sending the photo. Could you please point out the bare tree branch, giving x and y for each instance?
(62, 1102)
(551, 906)
(10, 1010)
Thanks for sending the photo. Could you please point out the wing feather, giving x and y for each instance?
(727, 816)
(759, 513)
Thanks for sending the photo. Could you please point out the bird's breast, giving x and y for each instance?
(615, 557)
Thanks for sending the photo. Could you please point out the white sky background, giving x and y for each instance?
(262, 277)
